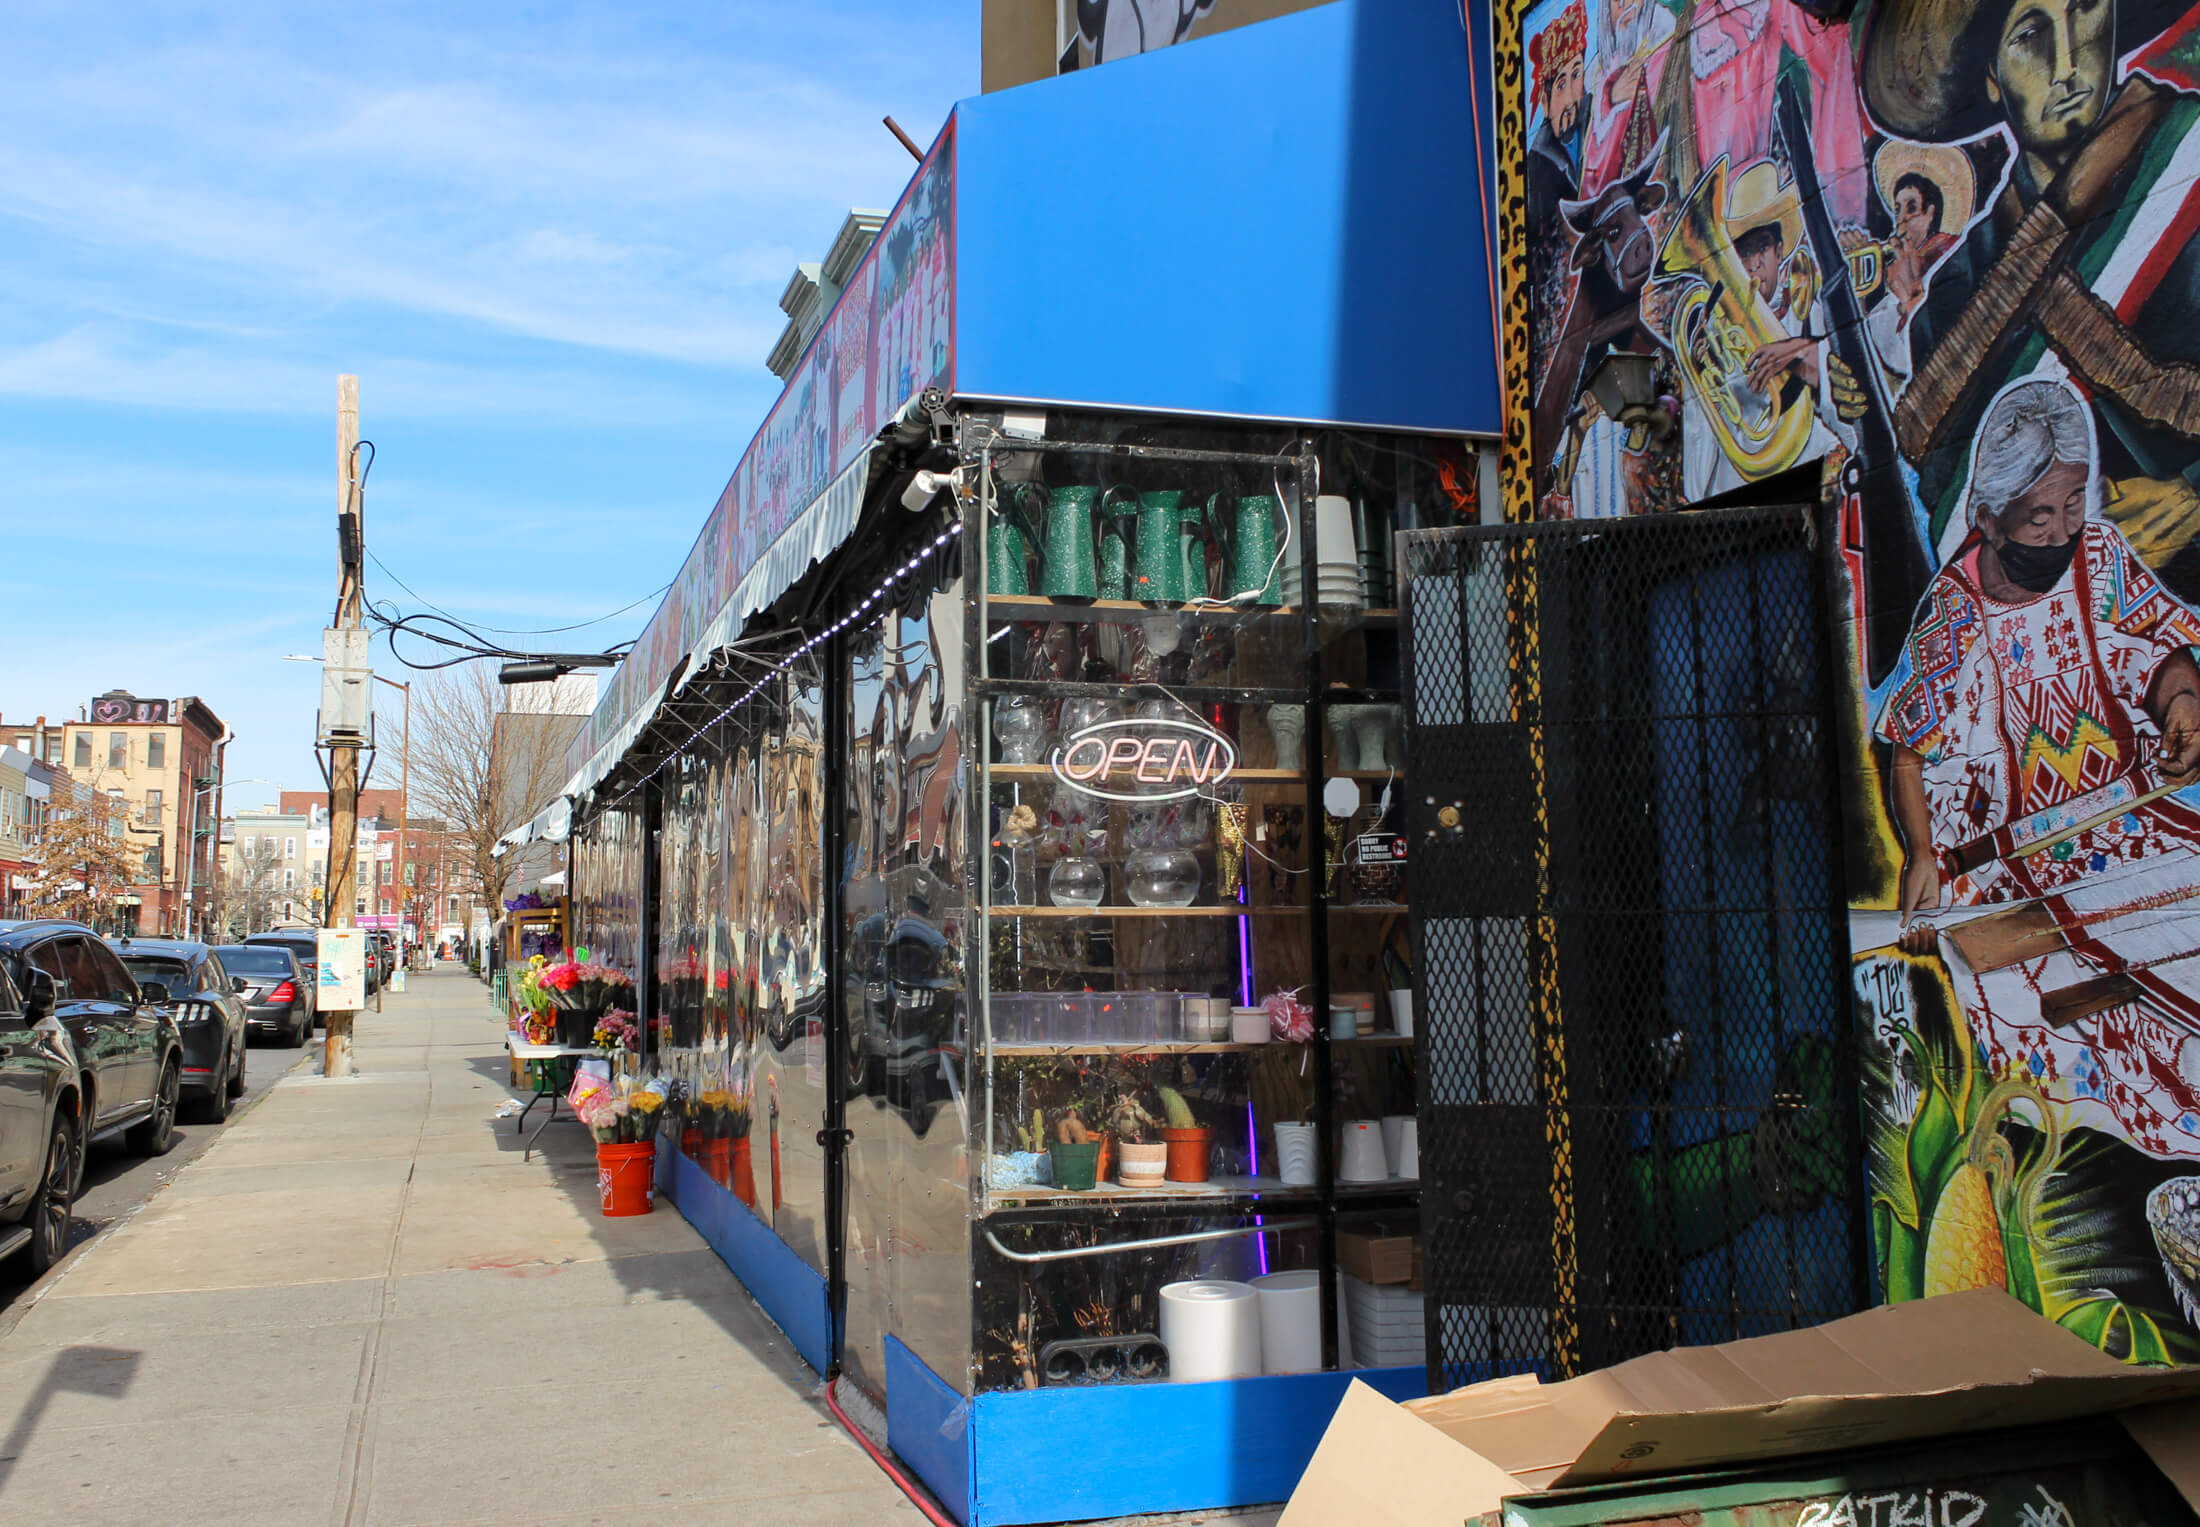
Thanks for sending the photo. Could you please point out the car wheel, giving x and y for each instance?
(50, 1210)
(236, 1080)
(212, 1106)
(303, 1032)
(156, 1135)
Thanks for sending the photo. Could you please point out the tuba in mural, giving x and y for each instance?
(1719, 321)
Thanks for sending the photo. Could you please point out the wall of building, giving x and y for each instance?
(118, 758)
(1952, 295)
(1026, 40)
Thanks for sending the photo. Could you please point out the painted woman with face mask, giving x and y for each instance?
(2048, 684)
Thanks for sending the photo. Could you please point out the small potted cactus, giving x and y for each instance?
(1186, 1140)
(1143, 1154)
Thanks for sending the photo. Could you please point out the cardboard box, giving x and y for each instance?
(1379, 1254)
(1970, 1362)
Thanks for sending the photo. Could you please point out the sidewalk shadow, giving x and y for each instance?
(106, 1372)
(570, 1150)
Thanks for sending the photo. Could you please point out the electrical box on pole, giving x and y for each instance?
(347, 689)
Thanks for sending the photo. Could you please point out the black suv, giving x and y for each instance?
(129, 1053)
(41, 1137)
(187, 979)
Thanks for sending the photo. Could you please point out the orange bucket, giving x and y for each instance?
(623, 1174)
(1187, 1154)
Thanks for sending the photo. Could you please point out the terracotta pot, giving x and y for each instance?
(1144, 1166)
(1187, 1153)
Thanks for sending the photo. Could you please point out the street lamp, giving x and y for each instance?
(404, 778)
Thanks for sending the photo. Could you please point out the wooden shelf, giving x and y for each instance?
(1215, 1189)
(1100, 912)
(1127, 1048)
(1375, 1039)
(1120, 611)
(1046, 771)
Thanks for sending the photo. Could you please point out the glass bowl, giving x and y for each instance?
(1161, 877)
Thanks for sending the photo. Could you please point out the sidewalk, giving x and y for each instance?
(360, 1306)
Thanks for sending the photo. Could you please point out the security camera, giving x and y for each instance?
(925, 487)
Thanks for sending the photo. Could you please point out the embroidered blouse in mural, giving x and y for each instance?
(2019, 708)
(2015, 709)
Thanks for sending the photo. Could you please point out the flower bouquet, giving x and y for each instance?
(623, 1118)
(617, 1030)
(616, 1118)
(581, 991)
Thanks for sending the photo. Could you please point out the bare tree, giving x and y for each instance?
(246, 897)
(78, 862)
(485, 759)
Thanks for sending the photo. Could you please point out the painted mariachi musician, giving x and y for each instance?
(2044, 711)
(2085, 263)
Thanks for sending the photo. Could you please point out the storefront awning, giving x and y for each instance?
(1292, 226)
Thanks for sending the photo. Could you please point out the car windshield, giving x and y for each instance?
(256, 959)
(173, 974)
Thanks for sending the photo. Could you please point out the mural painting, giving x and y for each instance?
(1936, 261)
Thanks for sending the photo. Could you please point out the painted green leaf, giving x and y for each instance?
(1902, 1253)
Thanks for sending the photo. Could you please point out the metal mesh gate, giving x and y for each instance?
(1638, 1126)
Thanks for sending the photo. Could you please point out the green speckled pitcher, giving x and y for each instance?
(1158, 574)
(1252, 543)
(1118, 522)
(1065, 517)
(1009, 534)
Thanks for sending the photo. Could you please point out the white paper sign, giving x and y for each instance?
(343, 980)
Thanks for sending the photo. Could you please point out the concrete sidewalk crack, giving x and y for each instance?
(355, 1468)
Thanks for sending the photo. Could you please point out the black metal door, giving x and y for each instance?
(1636, 1115)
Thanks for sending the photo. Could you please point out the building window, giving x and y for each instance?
(152, 807)
(385, 906)
(156, 750)
(290, 848)
(152, 863)
(290, 880)
(361, 910)
(410, 877)
(118, 750)
(83, 750)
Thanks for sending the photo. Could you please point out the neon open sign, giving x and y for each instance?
(1145, 760)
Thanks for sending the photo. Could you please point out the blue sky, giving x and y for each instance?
(549, 239)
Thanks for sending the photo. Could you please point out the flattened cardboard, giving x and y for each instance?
(1380, 1466)
(1960, 1363)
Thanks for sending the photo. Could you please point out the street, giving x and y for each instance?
(117, 1184)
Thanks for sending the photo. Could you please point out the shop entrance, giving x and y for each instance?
(1636, 1104)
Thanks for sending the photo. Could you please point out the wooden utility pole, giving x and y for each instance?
(343, 798)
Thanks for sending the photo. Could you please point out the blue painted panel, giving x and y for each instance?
(1053, 1455)
(790, 1290)
(1283, 221)
(928, 1427)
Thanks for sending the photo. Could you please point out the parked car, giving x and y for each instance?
(382, 948)
(41, 1149)
(306, 945)
(188, 980)
(277, 992)
(129, 1052)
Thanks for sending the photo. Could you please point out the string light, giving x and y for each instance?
(816, 639)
